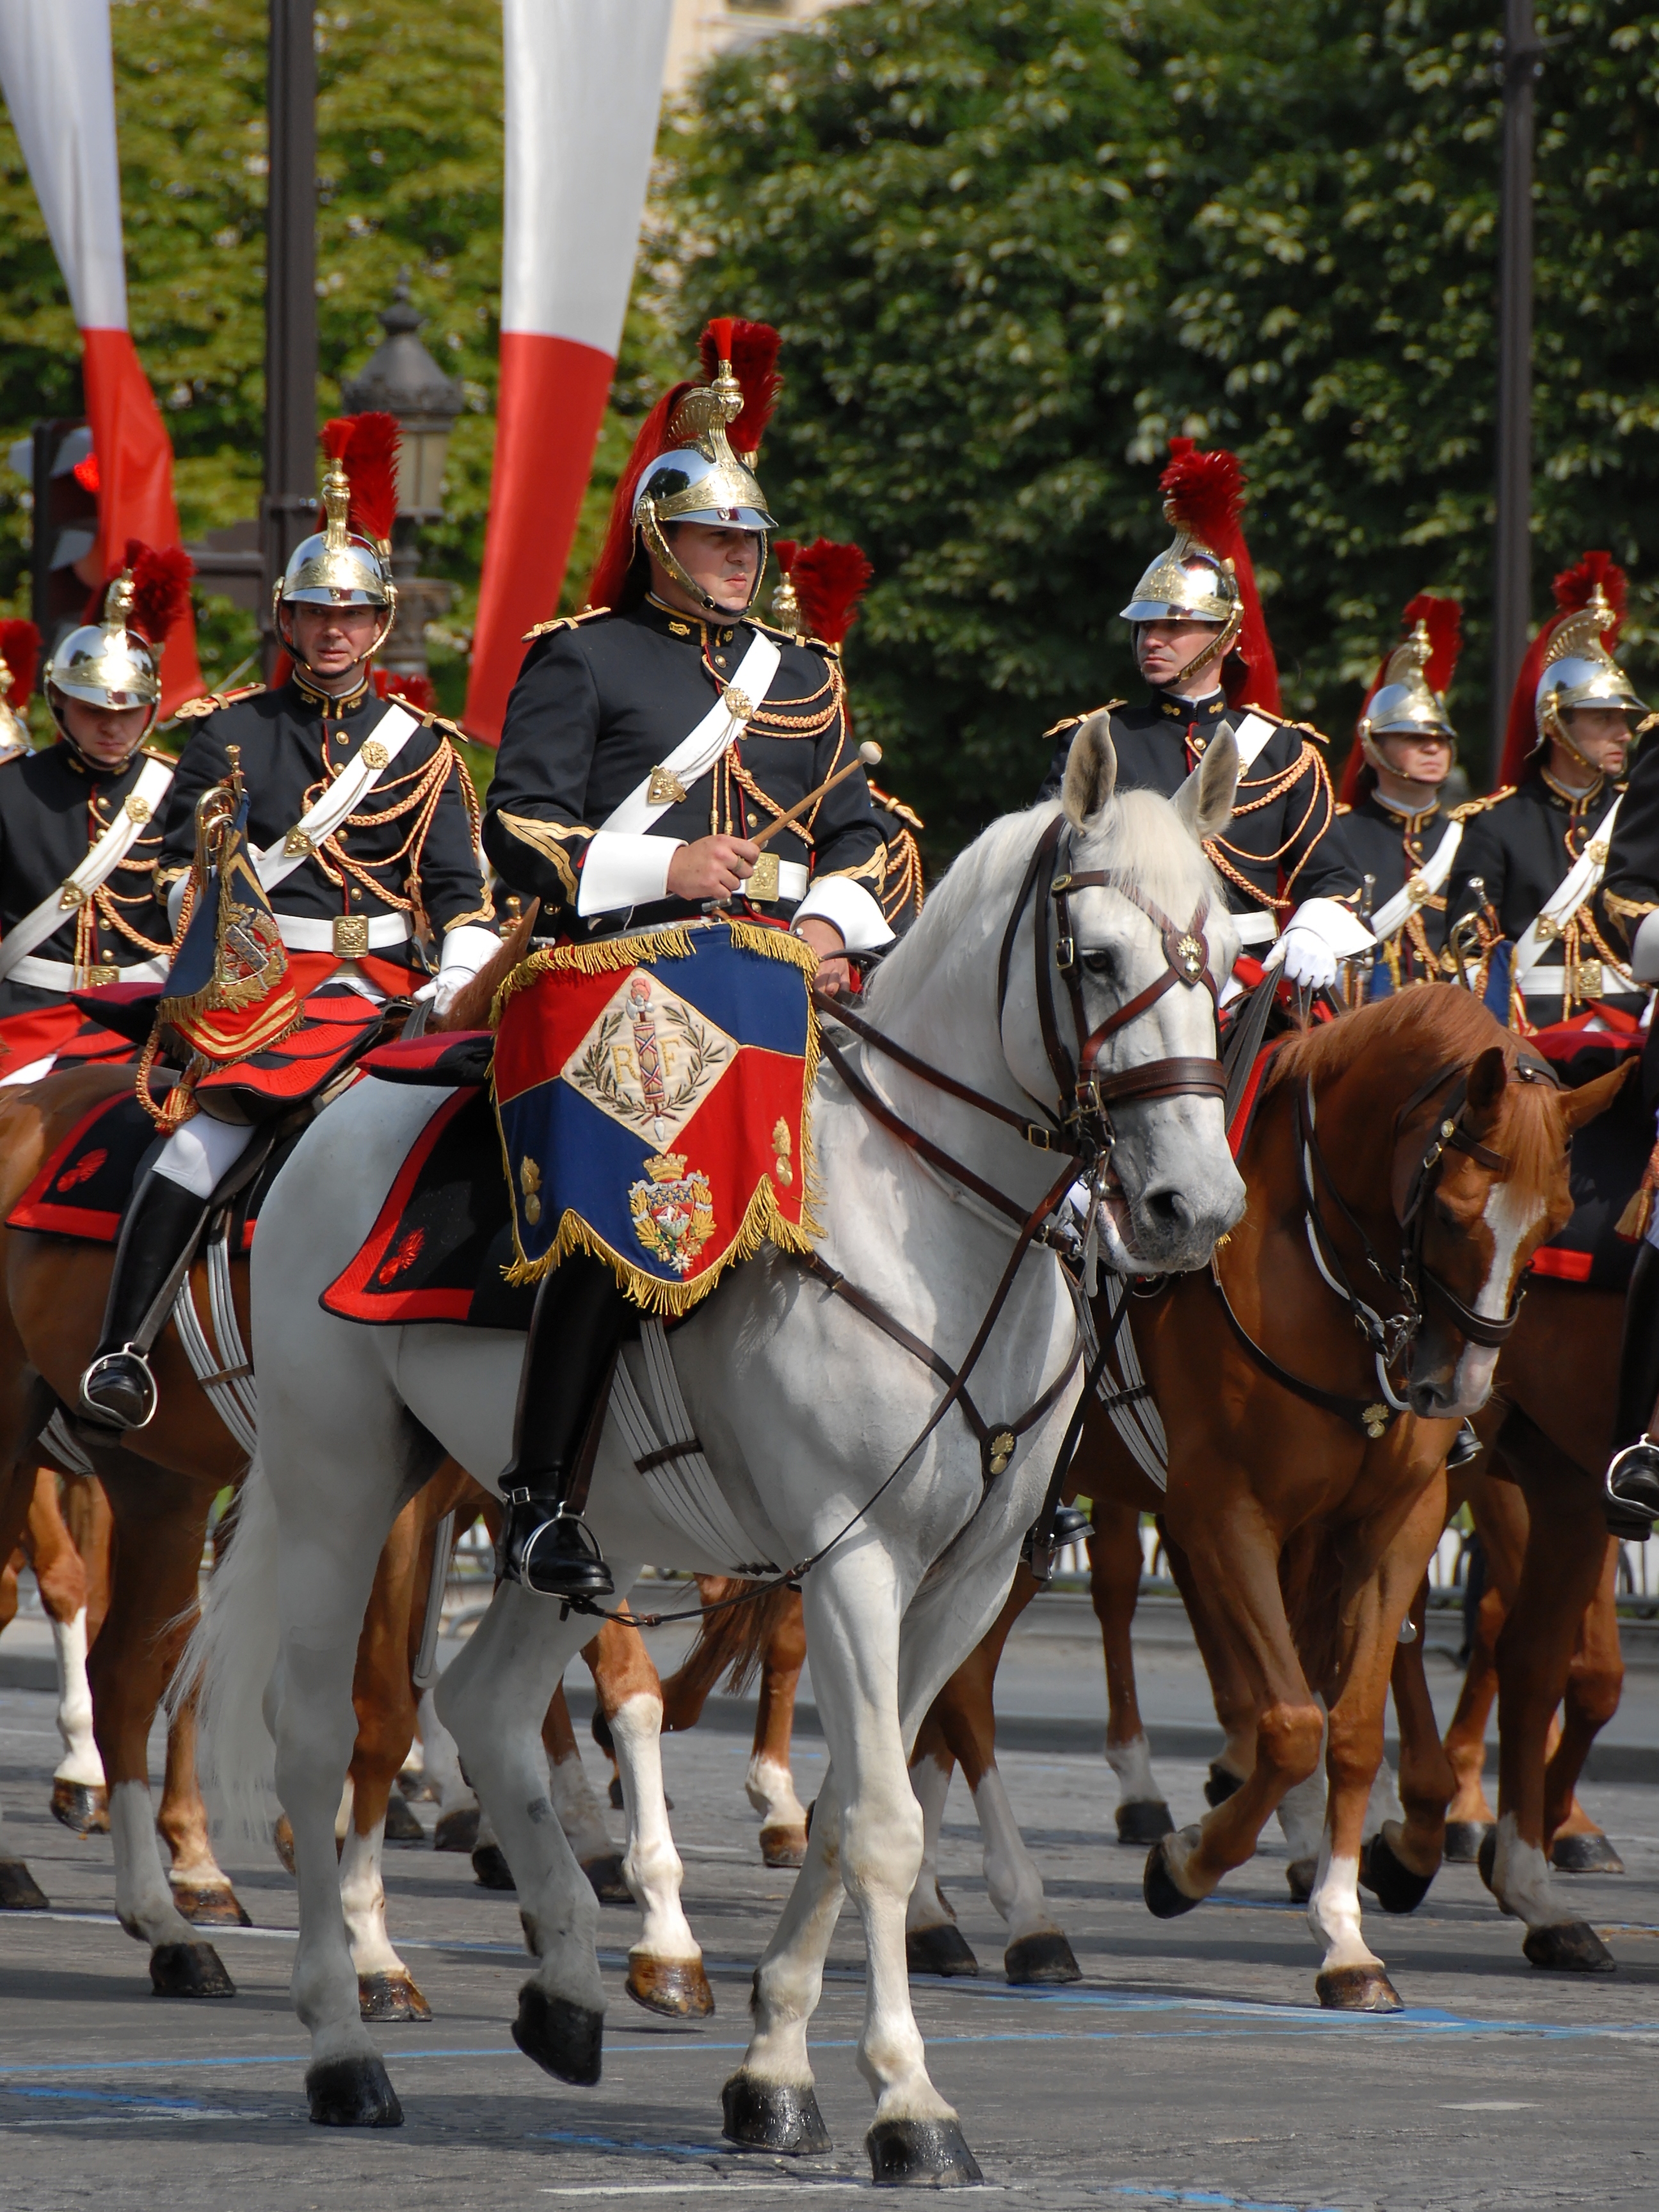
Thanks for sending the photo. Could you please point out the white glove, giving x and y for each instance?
(1644, 953)
(1321, 934)
(466, 948)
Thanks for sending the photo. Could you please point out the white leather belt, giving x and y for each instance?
(65, 976)
(1551, 983)
(1256, 928)
(345, 935)
(792, 880)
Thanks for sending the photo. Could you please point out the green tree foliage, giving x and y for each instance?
(1014, 245)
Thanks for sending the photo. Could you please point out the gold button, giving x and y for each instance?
(719, 661)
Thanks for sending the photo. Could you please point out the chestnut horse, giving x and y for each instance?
(65, 1542)
(1400, 1155)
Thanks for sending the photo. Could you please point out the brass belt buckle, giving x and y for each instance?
(351, 936)
(105, 973)
(763, 883)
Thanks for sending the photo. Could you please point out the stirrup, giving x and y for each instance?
(119, 1389)
(1630, 1486)
(1465, 1446)
(1041, 1552)
(552, 1552)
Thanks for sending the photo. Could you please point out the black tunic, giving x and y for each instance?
(1391, 845)
(1521, 843)
(602, 701)
(54, 806)
(1629, 888)
(1282, 845)
(408, 847)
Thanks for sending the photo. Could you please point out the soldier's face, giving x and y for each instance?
(331, 640)
(105, 734)
(1601, 734)
(722, 562)
(1418, 760)
(1164, 648)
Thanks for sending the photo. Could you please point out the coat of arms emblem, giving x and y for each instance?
(673, 1211)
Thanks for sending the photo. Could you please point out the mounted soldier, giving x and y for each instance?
(1397, 835)
(80, 822)
(649, 744)
(356, 826)
(1202, 646)
(1522, 896)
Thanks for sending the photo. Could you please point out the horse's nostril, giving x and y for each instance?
(1168, 1208)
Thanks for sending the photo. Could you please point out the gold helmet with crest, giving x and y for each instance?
(1206, 576)
(1570, 664)
(115, 661)
(348, 562)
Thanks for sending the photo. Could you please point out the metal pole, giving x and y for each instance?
(1512, 585)
(290, 495)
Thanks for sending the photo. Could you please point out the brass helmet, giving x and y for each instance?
(107, 663)
(701, 479)
(1405, 703)
(339, 566)
(1579, 671)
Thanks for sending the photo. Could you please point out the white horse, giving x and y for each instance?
(804, 1407)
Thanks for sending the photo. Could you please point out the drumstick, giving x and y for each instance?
(869, 756)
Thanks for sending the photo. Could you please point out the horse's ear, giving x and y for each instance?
(1205, 801)
(1488, 1080)
(1590, 1099)
(1090, 769)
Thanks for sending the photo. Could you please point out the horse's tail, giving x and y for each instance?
(731, 1642)
(229, 1659)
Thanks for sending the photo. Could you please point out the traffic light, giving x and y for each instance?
(63, 469)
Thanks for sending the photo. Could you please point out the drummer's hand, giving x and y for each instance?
(826, 940)
(711, 868)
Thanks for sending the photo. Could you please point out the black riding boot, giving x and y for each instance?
(1632, 1491)
(580, 1319)
(159, 1231)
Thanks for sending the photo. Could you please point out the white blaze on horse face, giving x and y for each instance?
(1510, 1215)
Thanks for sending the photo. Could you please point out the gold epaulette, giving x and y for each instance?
(885, 798)
(1306, 729)
(214, 702)
(1343, 808)
(442, 722)
(1076, 721)
(1473, 806)
(564, 622)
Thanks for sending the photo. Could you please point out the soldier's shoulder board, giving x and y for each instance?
(1470, 808)
(562, 622)
(886, 801)
(1076, 721)
(1285, 722)
(214, 702)
(1343, 808)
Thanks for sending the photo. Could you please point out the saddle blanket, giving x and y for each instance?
(651, 1096)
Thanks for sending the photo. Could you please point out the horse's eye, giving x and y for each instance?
(1100, 963)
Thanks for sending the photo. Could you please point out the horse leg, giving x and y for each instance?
(1415, 1843)
(1230, 1687)
(200, 1889)
(1302, 1818)
(79, 1798)
(933, 1944)
(581, 1813)
(1114, 1566)
(770, 1785)
(457, 1828)
(19, 1890)
(1595, 1681)
(1470, 1817)
(665, 1963)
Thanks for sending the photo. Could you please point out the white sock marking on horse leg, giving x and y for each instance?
(1132, 1763)
(789, 1980)
(1010, 1872)
(770, 1788)
(80, 1763)
(1334, 1913)
(362, 1899)
(651, 1866)
(580, 1814)
(343, 1816)
(927, 1908)
(144, 1896)
(1522, 1883)
(1301, 1815)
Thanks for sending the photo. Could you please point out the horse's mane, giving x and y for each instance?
(1428, 1027)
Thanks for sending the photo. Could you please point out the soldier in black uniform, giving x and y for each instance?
(601, 704)
(1522, 843)
(68, 921)
(373, 901)
(1399, 838)
(1281, 858)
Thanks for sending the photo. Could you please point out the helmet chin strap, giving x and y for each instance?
(285, 639)
(54, 698)
(1555, 729)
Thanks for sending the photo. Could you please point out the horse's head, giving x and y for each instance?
(1496, 1188)
(1142, 943)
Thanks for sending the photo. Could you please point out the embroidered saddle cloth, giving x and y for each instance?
(651, 1096)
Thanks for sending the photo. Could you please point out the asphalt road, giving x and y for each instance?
(1191, 2066)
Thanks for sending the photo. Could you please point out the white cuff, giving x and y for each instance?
(624, 869)
(465, 949)
(847, 907)
(1644, 951)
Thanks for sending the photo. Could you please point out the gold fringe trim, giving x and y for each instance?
(608, 956)
(1633, 1223)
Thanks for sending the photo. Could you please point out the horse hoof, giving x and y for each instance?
(352, 2093)
(774, 2115)
(390, 1996)
(1591, 1854)
(942, 1950)
(1574, 1949)
(282, 1837)
(19, 1890)
(1220, 1784)
(189, 1970)
(783, 1846)
(675, 1987)
(401, 1825)
(924, 2154)
(1044, 1958)
(215, 1904)
(1357, 1989)
(457, 1830)
(1164, 1901)
(1393, 1884)
(1463, 1841)
(606, 1874)
(1300, 1876)
(1144, 1821)
(490, 1866)
(1486, 1857)
(563, 2039)
(83, 1810)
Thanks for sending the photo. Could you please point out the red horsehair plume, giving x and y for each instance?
(610, 571)
(1573, 589)
(752, 350)
(20, 648)
(417, 691)
(1204, 496)
(829, 579)
(365, 447)
(161, 587)
(784, 550)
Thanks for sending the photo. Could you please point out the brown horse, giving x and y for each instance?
(1398, 1152)
(65, 1542)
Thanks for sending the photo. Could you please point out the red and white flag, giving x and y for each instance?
(58, 74)
(584, 84)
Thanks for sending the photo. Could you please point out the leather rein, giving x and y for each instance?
(1412, 1282)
